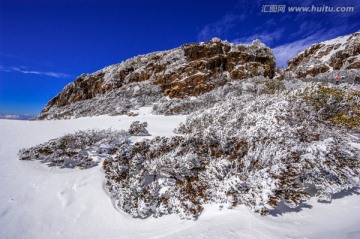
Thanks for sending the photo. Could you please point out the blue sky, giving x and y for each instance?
(45, 44)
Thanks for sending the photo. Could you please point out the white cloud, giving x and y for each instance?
(219, 28)
(266, 37)
(3, 69)
(287, 51)
(27, 71)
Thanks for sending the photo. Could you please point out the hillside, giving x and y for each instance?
(247, 139)
(219, 143)
(190, 70)
(326, 59)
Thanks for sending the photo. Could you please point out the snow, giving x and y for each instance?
(341, 40)
(357, 145)
(327, 57)
(40, 202)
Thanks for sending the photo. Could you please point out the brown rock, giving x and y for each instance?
(337, 54)
(189, 70)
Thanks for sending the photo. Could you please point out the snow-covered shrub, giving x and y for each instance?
(159, 176)
(251, 142)
(339, 105)
(251, 148)
(82, 149)
(138, 129)
(272, 86)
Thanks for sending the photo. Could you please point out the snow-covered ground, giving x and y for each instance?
(37, 201)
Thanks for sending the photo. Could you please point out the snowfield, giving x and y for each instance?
(38, 201)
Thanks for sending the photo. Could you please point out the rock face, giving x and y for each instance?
(340, 55)
(189, 70)
(138, 129)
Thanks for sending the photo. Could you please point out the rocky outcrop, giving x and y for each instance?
(189, 70)
(337, 56)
